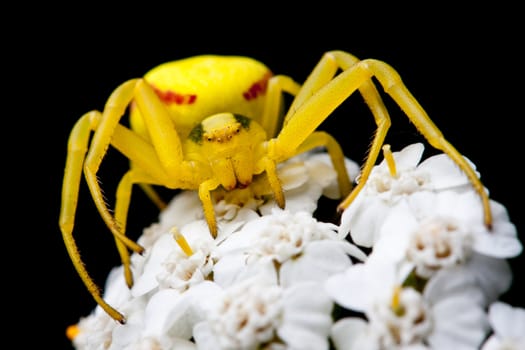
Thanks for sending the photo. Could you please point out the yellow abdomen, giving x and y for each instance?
(197, 87)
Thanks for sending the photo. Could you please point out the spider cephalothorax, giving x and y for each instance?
(211, 123)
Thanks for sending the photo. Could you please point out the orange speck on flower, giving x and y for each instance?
(72, 331)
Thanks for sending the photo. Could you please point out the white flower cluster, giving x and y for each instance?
(411, 266)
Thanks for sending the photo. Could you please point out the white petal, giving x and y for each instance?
(459, 323)
(159, 252)
(395, 233)
(331, 190)
(460, 320)
(319, 260)
(361, 284)
(159, 309)
(409, 157)
(444, 173)
(204, 337)
(502, 240)
(364, 220)
(306, 321)
(227, 270)
(507, 321)
(300, 199)
(191, 308)
(453, 282)
(494, 276)
(181, 210)
(293, 175)
(123, 336)
(116, 291)
(493, 343)
(346, 332)
(182, 344)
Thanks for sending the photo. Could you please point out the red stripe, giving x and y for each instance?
(258, 88)
(170, 97)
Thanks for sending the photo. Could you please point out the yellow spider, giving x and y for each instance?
(214, 122)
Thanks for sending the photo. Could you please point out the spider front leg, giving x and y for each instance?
(108, 131)
(392, 84)
(315, 109)
(312, 105)
(77, 148)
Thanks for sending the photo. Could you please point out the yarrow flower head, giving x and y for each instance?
(386, 189)
(447, 314)
(246, 316)
(410, 266)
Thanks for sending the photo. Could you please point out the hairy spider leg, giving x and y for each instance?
(270, 122)
(272, 116)
(77, 149)
(107, 130)
(313, 110)
(307, 138)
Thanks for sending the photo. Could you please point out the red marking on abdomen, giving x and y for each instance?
(258, 88)
(170, 97)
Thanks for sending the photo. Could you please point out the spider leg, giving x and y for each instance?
(122, 202)
(77, 148)
(107, 131)
(309, 118)
(272, 112)
(324, 139)
(165, 156)
(104, 128)
(316, 108)
(134, 148)
(162, 132)
(205, 189)
(168, 149)
(143, 156)
(153, 196)
(392, 84)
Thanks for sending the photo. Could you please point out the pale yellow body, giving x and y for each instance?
(214, 122)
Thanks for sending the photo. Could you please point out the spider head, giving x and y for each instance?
(223, 127)
(226, 131)
(230, 144)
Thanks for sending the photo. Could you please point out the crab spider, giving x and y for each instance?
(210, 122)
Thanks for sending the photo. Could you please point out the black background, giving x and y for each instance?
(464, 68)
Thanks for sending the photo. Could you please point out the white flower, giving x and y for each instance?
(254, 314)
(246, 316)
(296, 244)
(282, 279)
(383, 190)
(508, 326)
(431, 231)
(447, 314)
(167, 265)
